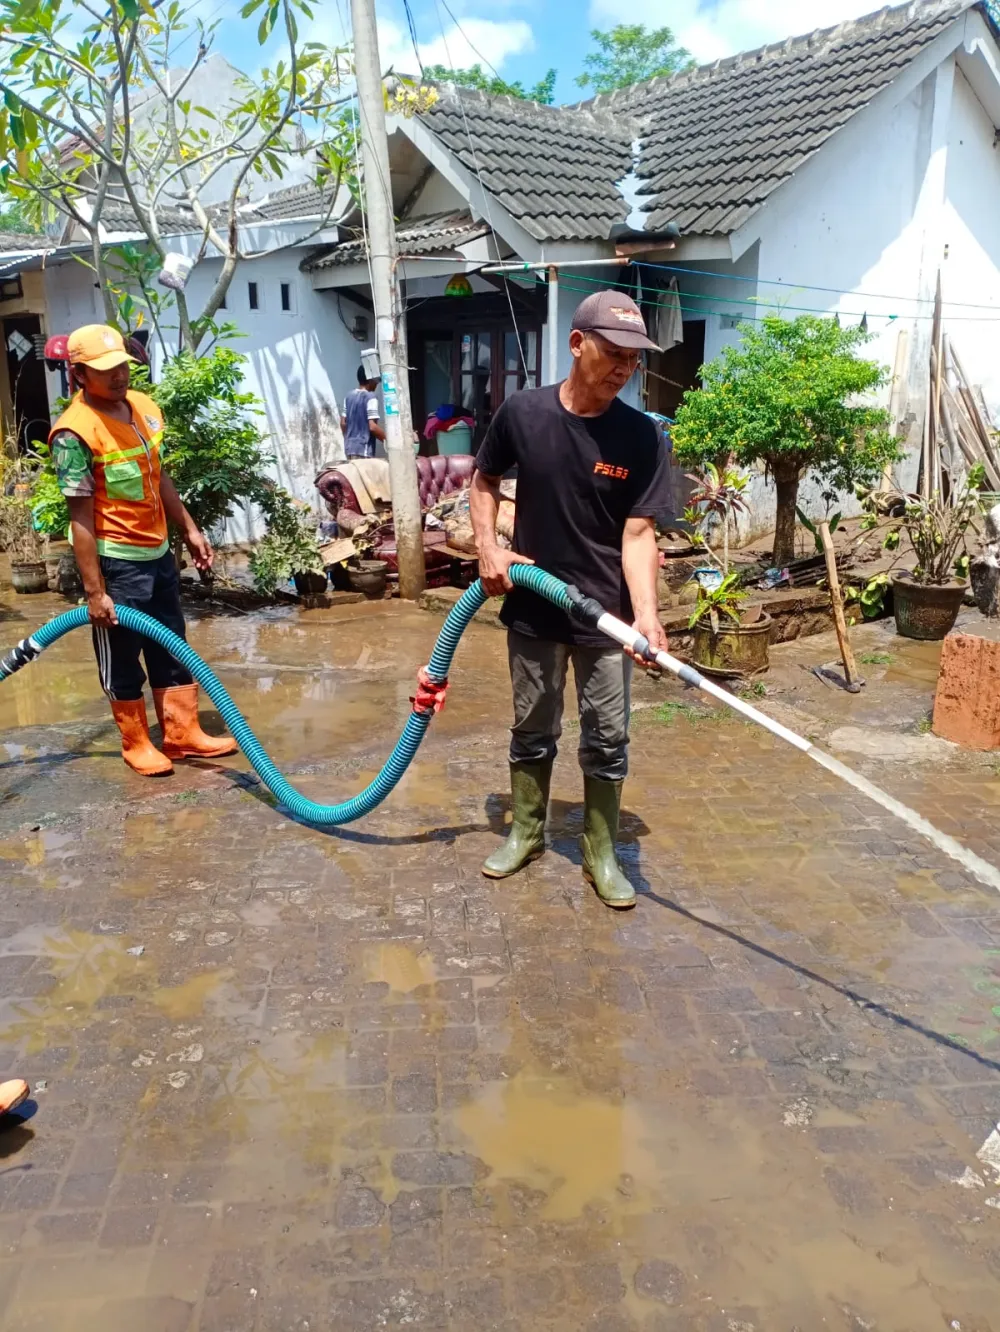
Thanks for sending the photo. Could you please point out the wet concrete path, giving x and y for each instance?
(348, 1083)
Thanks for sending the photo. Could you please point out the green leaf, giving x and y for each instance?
(250, 7)
(130, 9)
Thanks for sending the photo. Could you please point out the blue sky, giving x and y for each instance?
(524, 38)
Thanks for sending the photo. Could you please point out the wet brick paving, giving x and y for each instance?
(348, 1083)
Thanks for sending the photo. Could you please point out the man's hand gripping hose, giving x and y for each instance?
(432, 684)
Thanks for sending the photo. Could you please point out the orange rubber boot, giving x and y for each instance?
(12, 1094)
(138, 750)
(177, 709)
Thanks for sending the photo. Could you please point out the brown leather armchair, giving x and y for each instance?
(436, 477)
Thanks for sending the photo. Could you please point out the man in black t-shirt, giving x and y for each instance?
(591, 486)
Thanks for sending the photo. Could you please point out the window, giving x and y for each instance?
(253, 295)
(286, 297)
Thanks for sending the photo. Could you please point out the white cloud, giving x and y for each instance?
(478, 42)
(711, 31)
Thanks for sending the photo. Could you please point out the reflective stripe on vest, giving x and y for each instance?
(128, 510)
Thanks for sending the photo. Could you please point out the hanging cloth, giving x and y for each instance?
(669, 321)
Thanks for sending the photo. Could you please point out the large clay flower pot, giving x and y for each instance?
(369, 577)
(926, 610)
(736, 650)
(33, 577)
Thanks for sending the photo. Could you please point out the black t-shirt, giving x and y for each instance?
(579, 479)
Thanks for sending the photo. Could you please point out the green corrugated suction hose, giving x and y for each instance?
(436, 674)
(307, 811)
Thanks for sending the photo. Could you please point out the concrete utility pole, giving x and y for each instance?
(387, 298)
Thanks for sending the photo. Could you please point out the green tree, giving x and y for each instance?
(213, 447)
(543, 91)
(92, 109)
(629, 54)
(788, 396)
(15, 218)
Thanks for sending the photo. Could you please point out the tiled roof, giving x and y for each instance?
(707, 146)
(421, 235)
(14, 242)
(303, 202)
(295, 202)
(117, 215)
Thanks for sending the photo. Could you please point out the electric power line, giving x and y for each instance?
(475, 161)
(475, 50)
(411, 24)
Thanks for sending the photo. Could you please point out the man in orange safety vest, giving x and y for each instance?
(106, 451)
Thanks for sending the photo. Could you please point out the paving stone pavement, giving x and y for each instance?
(348, 1083)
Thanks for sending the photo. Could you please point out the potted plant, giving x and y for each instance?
(289, 551)
(729, 638)
(50, 513)
(365, 573)
(24, 545)
(927, 598)
(19, 536)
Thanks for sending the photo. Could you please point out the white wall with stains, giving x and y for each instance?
(300, 362)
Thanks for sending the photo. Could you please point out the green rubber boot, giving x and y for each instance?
(602, 801)
(529, 801)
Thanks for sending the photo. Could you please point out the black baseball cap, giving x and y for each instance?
(614, 316)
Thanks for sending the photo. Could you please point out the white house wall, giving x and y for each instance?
(299, 363)
(971, 270)
(437, 196)
(848, 222)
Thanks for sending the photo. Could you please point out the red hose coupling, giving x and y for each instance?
(431, 693)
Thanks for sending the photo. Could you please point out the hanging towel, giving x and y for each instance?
(669, 321)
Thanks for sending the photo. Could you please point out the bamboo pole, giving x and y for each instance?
(969, 441)
(851, 673)
(896, 397)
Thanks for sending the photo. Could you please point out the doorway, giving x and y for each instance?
(470, 355)
(26, 408)
(671, 373)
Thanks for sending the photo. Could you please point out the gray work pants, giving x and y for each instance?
(603, 678)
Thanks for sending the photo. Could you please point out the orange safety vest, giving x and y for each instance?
(128, 510)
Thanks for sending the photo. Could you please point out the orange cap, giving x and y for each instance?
(98, 346)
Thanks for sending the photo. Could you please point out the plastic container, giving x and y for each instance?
(457, 439)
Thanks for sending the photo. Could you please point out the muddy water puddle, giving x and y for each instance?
(190, 998)
(86, 969)
(174, 833)
(37, 848)
(739, 1208)
(403, 969)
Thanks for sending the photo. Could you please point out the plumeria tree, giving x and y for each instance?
(96, 108)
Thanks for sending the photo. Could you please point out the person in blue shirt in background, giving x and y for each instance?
(360, 420)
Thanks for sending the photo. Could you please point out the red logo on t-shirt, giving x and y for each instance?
(605, 469)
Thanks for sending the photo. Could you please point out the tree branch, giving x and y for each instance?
(320, 226)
